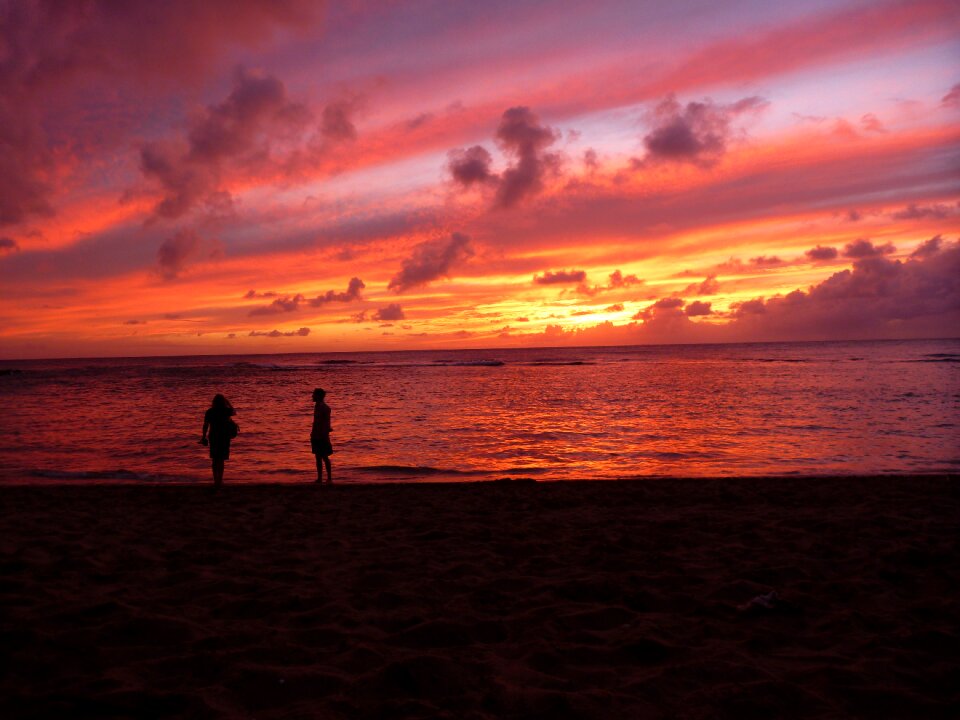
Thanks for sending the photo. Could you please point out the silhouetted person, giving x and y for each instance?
(218, 419)
(320, 435)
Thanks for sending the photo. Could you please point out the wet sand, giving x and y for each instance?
(493, 600)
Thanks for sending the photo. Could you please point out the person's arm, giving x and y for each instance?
(206, 424)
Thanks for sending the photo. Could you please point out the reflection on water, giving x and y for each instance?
(770, 409)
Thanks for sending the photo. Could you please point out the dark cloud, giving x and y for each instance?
(352, 293)
(697, 132)
(175, 253)
(560, 277)
(853, 216)
(236, 131)
(285, 304)
(615, 281)
(52, 49)
(863, 248)
(928, 247)
(391, 312)
(471, 166)
(302, 332)
(876, 298)
(293, 303)
(662, 308)
(952, 98)
(749, 307)
(337, 123)
(431, 260)
(918, 212)
(709, 286)
(618, 280)
(8, 245)
(521, 137)
(253, 294)
(134, 322)
(819, 253)
(764, 261)
(698, 308)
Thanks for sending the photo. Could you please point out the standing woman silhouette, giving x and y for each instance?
(218, 419)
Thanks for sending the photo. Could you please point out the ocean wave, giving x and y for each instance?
(415, 470)
(128, 475)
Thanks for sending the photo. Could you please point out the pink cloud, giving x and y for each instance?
(431, 260)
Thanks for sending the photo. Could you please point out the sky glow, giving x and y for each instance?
(241, 177)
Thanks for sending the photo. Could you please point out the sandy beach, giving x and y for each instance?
(488, 600)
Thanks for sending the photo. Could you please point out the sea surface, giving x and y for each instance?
(772, 409)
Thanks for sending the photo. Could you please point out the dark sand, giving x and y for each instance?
(598, 600)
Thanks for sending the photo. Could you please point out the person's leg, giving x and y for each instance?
(319, 468)
(326, 461)
(218, 471)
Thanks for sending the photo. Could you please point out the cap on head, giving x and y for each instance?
(319, 393)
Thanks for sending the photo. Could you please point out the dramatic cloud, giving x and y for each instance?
(286, 304)
(664, 307)
(521, 136)
(302, 332)
(709, 286)
(337, 123)
(560, 277)
(238, 130)
(619, 280)
(696, 133)
(8, 245)
(352, 293)
(878, 294)
(292, 303)
(916, 212)
(697, 308)
(616, 281)
(863, 248)
(431, 260)
(175, 253)
(764, 261)
(49, 46)
(928, 247)
(819, 254)
(391, 312)
(471, 166)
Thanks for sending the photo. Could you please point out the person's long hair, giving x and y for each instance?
(221, 404)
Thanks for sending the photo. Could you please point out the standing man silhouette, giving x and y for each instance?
(320, 435)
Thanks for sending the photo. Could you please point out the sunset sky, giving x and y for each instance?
(244, 177)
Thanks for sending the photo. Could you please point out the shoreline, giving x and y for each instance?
(493, 599)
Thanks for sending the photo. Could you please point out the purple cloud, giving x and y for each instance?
(285, 304)
(697, 132)
(918, 212)
(521, 135)
(698, 308)
(560, 277)
(391, 312)
(175, 253)
(431, 260)
(928, 247)
(302, 332)
(352, 293)
(471, 166)
(863, 248)
(820, 254)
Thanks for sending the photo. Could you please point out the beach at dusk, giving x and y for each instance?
(809, 597)
(504, 359)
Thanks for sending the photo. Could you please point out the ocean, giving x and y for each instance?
(770, 409)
